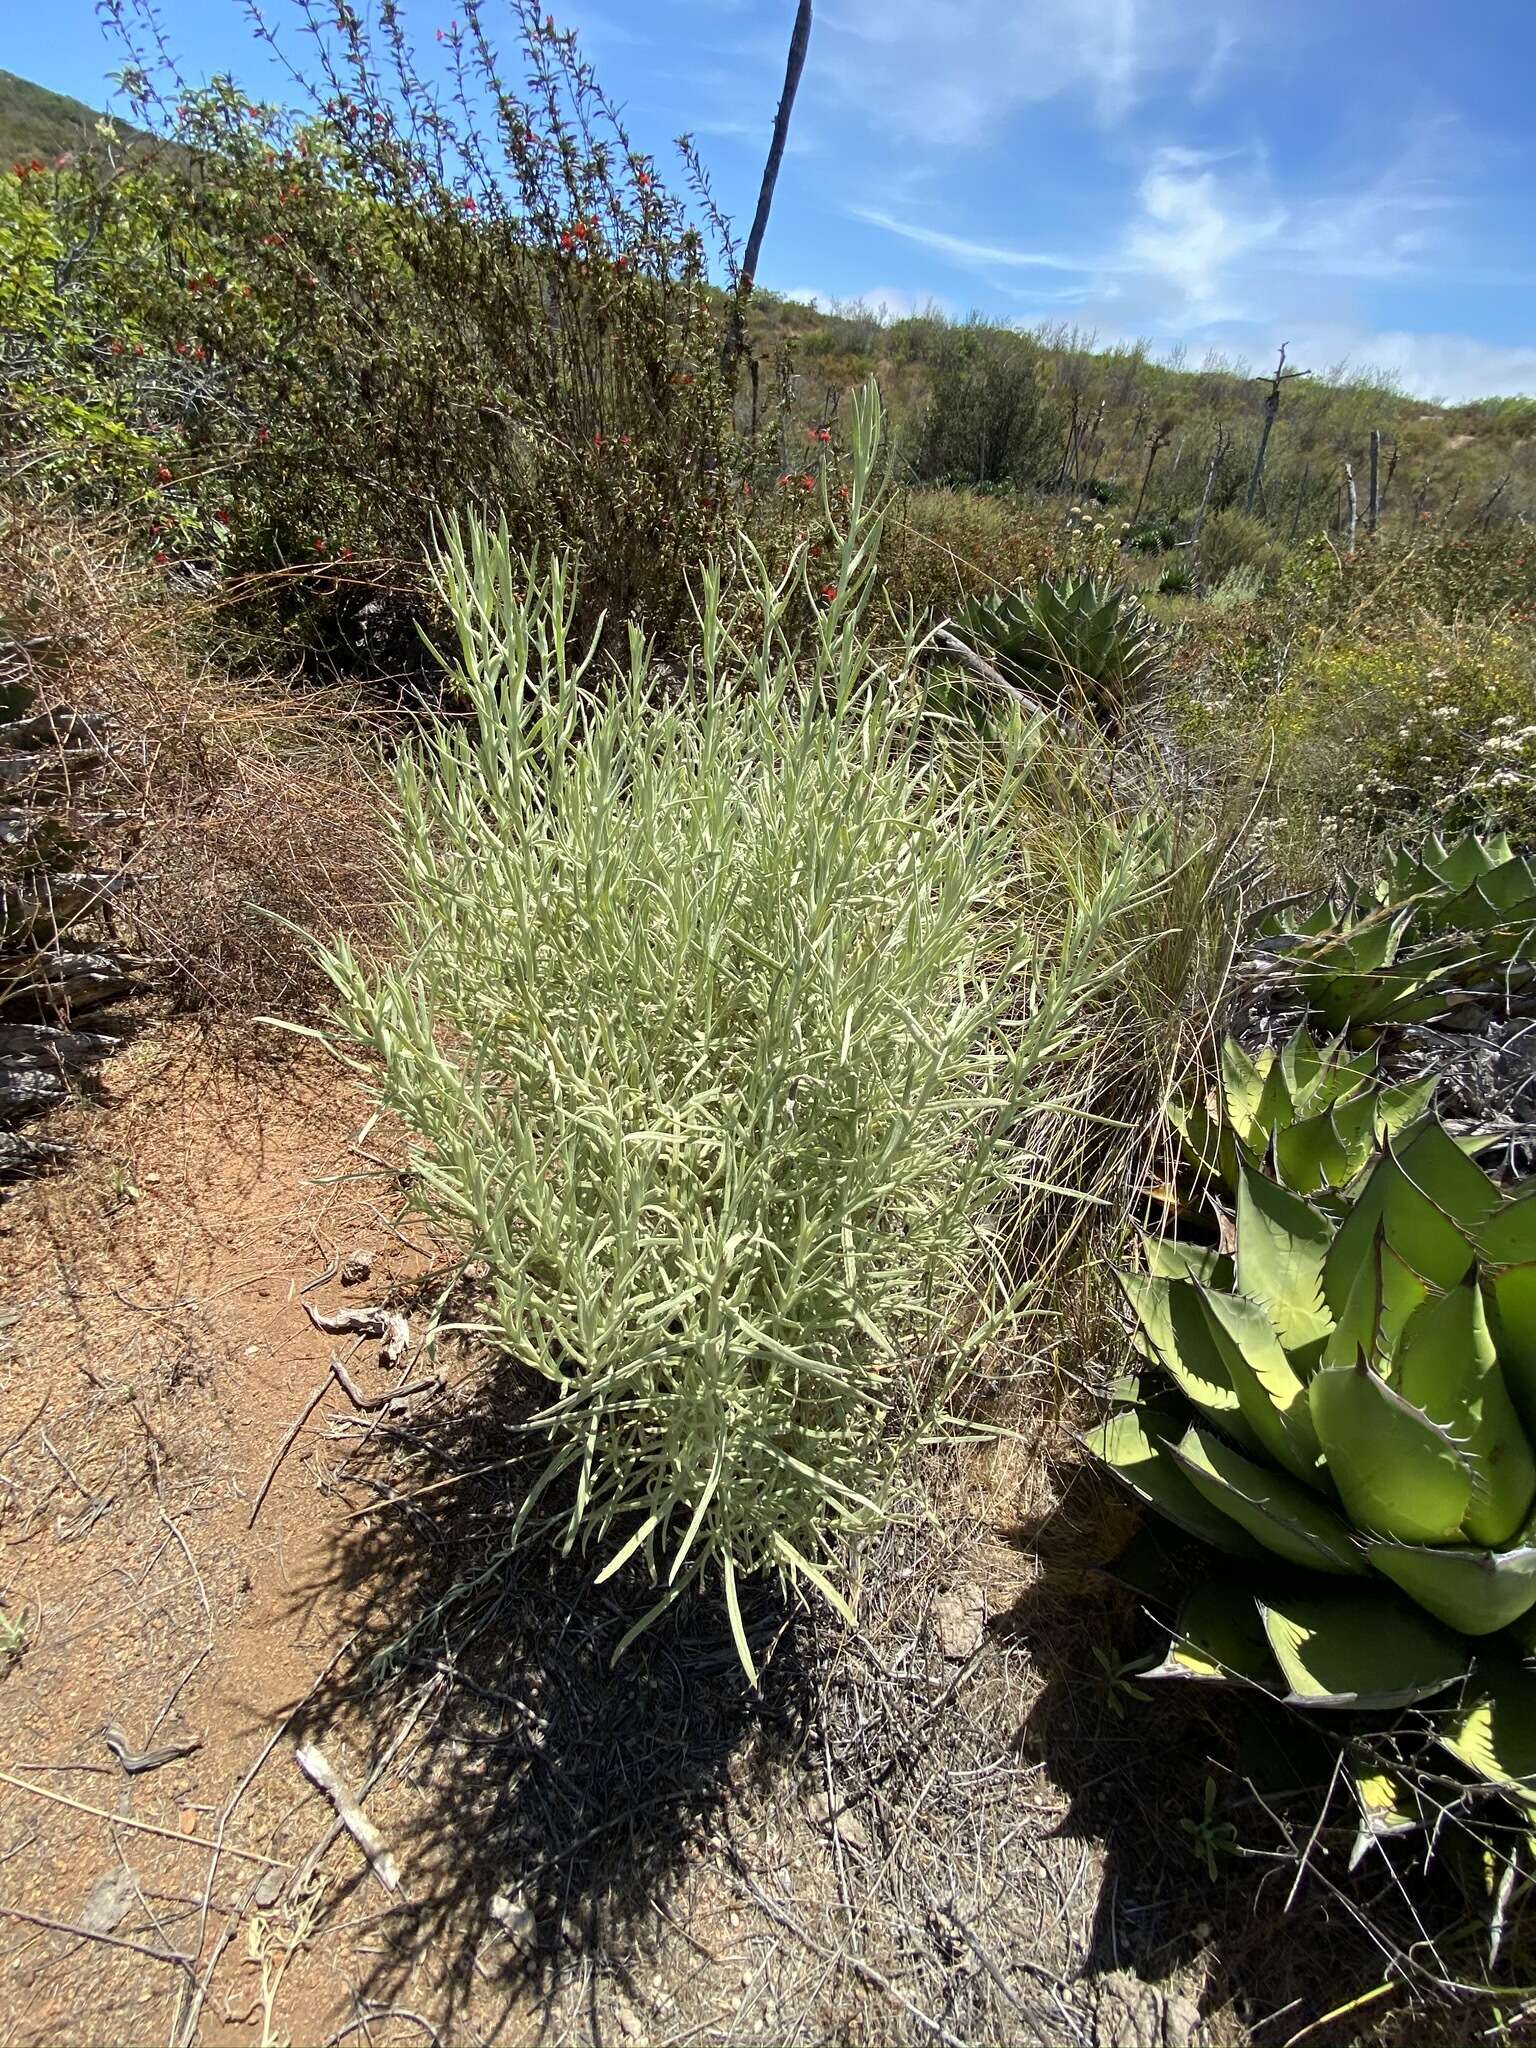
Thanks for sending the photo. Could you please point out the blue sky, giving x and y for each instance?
(1353, 177)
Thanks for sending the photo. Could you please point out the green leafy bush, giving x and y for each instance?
(386, 306)
(1231, 539)
(709, 1018)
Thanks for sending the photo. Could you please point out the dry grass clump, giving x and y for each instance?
(248, 804)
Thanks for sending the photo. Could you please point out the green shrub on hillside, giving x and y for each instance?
(355, 318)
(710, 1018)
(987, 420)
(1436, 730)
(1235, 540)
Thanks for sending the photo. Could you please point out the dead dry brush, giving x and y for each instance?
(247, 800)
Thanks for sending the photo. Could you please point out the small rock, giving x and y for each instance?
(1129, 2013)
(631, 2026)
(850, 1829)
(517, 1921)
(356, 1267)
(108, 1900)
(960, 1617)
(1464, 1016)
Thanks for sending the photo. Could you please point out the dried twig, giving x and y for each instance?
(319, 1769)
(144, 1827)
(139, 1948)
(285, 1447)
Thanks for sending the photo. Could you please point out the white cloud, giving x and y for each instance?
(947, 71)
(974, 255)
(1191, 232)
(1453, 367)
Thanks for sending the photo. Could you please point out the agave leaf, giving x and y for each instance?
(1128, 1446)
(1242, 1087)
(1310, 1156)
(1271, 1393)
(1276, 1105)
(1475, 1591)
(1398, 1473)
(1508, 1238)
(1169, 1258)
(1445, 1364)
(1174, 1326)
(1430, 1201)
(1359, 1651)
(1199, 1138)
(1387, 1809)
(1357, 1331)
(1285, 1516)
(1281, 1244)
(1462, 863)
(1510, 886)
(1494, 1732)
(1512, 1311)
(1398, 1108)
(1219, 1639)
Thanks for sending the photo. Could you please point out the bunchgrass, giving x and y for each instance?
(715, 1015)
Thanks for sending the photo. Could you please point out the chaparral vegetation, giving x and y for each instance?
(902, 956)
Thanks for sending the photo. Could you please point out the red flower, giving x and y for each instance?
(567, 242)
(346, 554)
(829, 591)
(117, 348)
(597, 440)
(222, 516)
(163, 474)
(160, 556)
(823, 433)
(319, 547)
(807, 483)
(468, 204)
(263, 434)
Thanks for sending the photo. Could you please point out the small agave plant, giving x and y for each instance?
(1477, 885)
(1345, 1409)
(1442, 925)
(1311, 1115)
(1072, 635)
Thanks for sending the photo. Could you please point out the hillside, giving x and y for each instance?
(35, 122)
(979, 404)
(1090, 424)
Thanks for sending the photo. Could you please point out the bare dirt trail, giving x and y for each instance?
(156, 1354)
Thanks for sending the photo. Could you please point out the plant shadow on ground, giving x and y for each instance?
(536, 1770)
(1285, 1954)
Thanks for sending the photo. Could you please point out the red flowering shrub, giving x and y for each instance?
(366, 314)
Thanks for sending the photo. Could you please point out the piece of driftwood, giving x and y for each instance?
(391, 1329)
(319, 1769)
